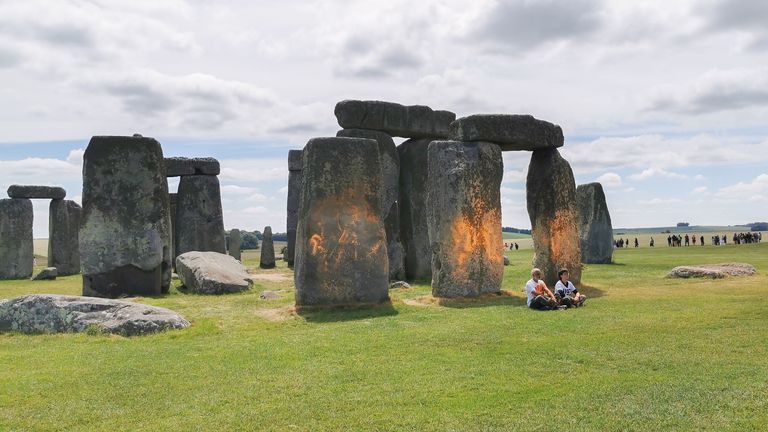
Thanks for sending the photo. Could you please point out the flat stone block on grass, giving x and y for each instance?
(464, 218)
(509, 131)
(415, 121)
(212, 273)
(341, 246)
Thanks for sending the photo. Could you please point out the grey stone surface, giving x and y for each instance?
(63, 236)
(43, 192)
(125, 238)
(172, 199)
(48, 273)
(509, 131)
(390, 170)
(464, 218)
(295, 164)
(415, 121)
(267, 259)
(714, 271)
(595, 229)
(269, 295)
(551, 201)
(47, 313)
(181, 166)
(506, 260)
(235, 241)
(341, 246)
(16, 245)
(212, 273)
(413, 209)
(400, 285)
(199, 217)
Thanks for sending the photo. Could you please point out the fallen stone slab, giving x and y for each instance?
(415, 121)
(714, 271)
(509, 131)
(181, 166)
(48, 273)
(269, 295)
(42, 192)
(212, 273)
(47, 313)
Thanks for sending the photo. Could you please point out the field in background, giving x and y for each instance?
(645, 353)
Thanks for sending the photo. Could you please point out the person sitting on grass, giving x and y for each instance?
(566, 293)
(539, 296)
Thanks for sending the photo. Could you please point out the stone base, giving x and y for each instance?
(127, 280)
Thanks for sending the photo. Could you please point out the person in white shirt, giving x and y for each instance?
(539, 296)
(566, 292)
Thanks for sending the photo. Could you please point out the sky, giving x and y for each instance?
(664, 103)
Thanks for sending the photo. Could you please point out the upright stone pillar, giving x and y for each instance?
(595, 229)
(234, 243)
(413, 208)
(172, 198)
(199, 217)
(16, 245)
(63, 236)
(295, 163)
(267, 260)
(464, 218)
(390, 169)
(341, 246)
(125, 241)
(551, 197)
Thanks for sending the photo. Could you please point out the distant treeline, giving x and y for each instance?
(758, 226)
(252, 239)
(515, 230)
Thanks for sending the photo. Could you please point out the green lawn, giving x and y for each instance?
(645, 354)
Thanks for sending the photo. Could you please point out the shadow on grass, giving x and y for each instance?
(326, 314)
(590, 291)
(503, 298)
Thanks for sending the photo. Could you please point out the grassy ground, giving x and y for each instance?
(646, 353)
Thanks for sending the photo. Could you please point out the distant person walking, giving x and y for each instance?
(637, 243)
(651, 242)
(702, 240)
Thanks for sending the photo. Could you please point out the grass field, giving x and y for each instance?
(646, 353)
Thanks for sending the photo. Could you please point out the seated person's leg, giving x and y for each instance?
(540, 303)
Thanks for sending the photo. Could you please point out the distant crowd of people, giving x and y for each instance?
(511, 246)
(674, 240)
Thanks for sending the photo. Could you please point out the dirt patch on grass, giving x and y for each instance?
(503, 297)
(272, 277)
(285, 313)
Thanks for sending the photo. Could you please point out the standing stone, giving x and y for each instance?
(267, 260)
(199, 217)
(464, 218)
(295, 164)
(415, 121)
(341, 246)
(16, 245)
(413, 208)
(172, 198)
(390, 170)
(595, 230)
(63, 236)
(125, 238)
(551, 196)
(235, 240)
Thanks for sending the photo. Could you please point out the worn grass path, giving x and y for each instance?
(646, 353)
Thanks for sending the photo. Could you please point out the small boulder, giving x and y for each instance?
(400, 285)
(506, 260)
(47, 313)
(269, 295)
(212, 273)
(48, 273)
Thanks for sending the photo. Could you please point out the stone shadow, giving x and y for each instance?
(320, 314)
(591, 292)
(503, 298)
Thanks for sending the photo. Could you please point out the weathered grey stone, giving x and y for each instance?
(714, 271)
(506, 260)
(63, 236)
(267, 260)
(181, 166)
(464, 218)
(212, 273)
(390, 170)
(551, 199)
(510, 131)
(341, 246)
(16, 245)
(295, 163)
(400, 285)
(413, 208)
(234, 243)
(269, 295)
(595, 229)
(43, 192)
(48, 273)
(415, 121)
(125, 239)
(172, 199)
(199, 217)
(47, 313)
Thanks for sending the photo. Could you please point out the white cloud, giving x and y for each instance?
(656, 172)
(700, 190)
(254, 170)
(610, 180)
(755, 190)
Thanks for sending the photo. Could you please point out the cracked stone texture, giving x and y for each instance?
(125, 237)
(47, 313)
